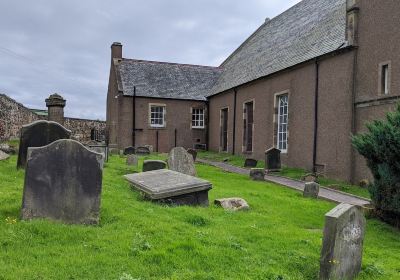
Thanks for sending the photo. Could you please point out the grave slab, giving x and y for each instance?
(171, 187)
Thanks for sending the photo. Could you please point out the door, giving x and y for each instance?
(224, 130)
(248, 127)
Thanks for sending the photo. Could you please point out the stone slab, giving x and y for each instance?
(342, 246)
(63, 182)
(164, 183)
(39, 134)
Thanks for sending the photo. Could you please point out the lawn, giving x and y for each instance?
(293, 173)
(279, 238)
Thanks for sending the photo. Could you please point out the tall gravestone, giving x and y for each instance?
(342, 246)
(181, 161)
(38, 134)
(273, 159)
(63, 182)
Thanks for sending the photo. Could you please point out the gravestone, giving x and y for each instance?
(311, 189)
(249, 162)
(171, 187)
(257, 174)
(142, 151)
(342, 245)
(193, 152)
(63, 182)
(3, 155)
(99, 148)
(132, 160)
(181, 161)
(150, 165)
(129, 151)
(234, 204)
(150, 147)
(273, 159)
(39, 134)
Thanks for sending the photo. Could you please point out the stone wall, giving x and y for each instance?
(14, 115)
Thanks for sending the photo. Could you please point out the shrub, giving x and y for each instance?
(381, 148)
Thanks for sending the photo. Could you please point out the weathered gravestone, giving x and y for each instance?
(171, 187)
(3, 155)
(39, 134)
(129, 151)
(63, 182)
(193, 152)
(249, 162)
(257, 174)
(273, 159)
(132, 160)
(342, 246)
(99, 148)
(150, 165)
(311, 189)
(142, 151)
(181, 161)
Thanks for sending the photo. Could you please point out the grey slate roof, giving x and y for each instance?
(166, 80)
(307, 30)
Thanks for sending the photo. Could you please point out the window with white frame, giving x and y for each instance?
(197, 118)
(282, 137)
(157, 116)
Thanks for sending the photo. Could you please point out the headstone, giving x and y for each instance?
(273, 159)
(150, 147)
(99, 148)
(249, 162)
(257, 174)
(129, 151)
(193, 152)
(310, 178)
(39, 134)
(132, 160)
(142, 151)
(63, 182)
(181, 161)
(171, 187)
(342, 245)
(150, 165)
(3, 156)
(311, 189)
(234, 204)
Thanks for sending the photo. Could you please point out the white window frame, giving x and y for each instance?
(153, 105)
(385, 69)
(283, 122)
(200, 113)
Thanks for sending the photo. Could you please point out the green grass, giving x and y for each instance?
(279, 238)
(293, 173)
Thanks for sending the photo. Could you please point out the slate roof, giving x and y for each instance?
(166, 80)
(307, 30)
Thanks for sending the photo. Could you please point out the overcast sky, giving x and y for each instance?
(49, 46)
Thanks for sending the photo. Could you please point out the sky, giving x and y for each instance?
(63, 46)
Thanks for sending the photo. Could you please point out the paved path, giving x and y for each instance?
(325, 193)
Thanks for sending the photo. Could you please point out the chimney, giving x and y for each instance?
(116, 50)
(352, 9)
(55, 104)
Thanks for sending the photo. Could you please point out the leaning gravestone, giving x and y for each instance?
(249, 162)
(132, 160)
(150, 165)
(273, 159)
(181, 161)
(342, 246)
(129, 151)
(38, 134)
(311, 189)
(63, 182)
(142, 151)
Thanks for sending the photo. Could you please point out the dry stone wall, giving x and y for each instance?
(82, 129)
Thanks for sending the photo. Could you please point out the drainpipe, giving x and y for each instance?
(207, 124)
(316, 115)
(353, 115)
(234, 121)
(134, 117)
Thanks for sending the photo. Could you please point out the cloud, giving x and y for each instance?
(49, 46)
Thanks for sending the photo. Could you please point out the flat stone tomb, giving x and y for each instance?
(171, 187)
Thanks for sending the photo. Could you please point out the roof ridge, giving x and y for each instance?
(171, 63)
(265, 23)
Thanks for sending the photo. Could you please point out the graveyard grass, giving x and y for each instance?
(292, 173)
(279, 238)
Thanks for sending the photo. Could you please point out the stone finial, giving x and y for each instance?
(55, 104)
